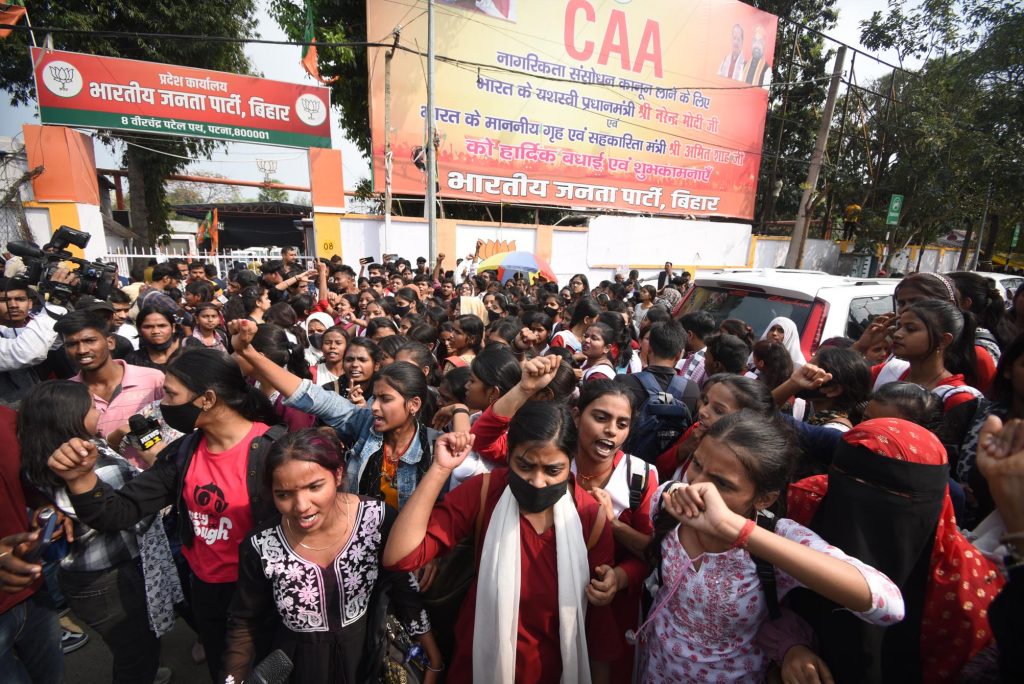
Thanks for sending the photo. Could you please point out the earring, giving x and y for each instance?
(766, 513)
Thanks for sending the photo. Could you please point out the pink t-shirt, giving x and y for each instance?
(139, 388)
(217, 500)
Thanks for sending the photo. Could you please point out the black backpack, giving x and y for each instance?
(661, 419)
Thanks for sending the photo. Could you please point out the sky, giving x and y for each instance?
(280, 62)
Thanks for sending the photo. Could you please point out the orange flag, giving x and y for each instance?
(214, 233)
(10, 13)
(309, 56)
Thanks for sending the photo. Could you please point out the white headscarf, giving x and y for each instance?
(790, 339)
(321, 318)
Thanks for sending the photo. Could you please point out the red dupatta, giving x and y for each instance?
(962, 581)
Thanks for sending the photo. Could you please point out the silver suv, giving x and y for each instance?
(822, 305)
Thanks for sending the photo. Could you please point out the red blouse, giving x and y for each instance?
(538, 659)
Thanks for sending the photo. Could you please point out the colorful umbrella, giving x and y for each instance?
(507, 264)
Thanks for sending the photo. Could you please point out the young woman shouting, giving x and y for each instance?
(538, 534)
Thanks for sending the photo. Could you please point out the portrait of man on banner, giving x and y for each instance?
(733, 65)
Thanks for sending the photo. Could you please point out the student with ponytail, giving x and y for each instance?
(466, 340)
(917, 288)
(979, 295)
(934, 348)
(584, 312)
(625, 358)
(213, 477)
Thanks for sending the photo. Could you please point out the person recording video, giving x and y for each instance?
(37, 337)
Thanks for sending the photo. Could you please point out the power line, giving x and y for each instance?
(368, 44)
(821, 34)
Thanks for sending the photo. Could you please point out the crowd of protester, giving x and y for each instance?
(508, 482)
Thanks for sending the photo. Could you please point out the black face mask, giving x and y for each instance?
(551, 311)
(535, 499)
(181, 417)
(492, 316)
(401, 311)
(316, 340)
(163, 346)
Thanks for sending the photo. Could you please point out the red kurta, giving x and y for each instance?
(538, 659)
(491, 431)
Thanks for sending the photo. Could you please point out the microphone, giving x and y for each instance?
(146, 431)
(274, 669)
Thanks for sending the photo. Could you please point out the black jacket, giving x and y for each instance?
(107, 509)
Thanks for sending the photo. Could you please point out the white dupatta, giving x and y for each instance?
(497, 594)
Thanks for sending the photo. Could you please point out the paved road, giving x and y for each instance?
(92, 663)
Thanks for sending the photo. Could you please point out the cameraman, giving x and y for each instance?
(34, 341)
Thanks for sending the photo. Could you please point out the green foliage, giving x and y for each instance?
(336, 21)
(792, 132)
(272, 194)
(229, 19)
(188, 192)
(950, 137)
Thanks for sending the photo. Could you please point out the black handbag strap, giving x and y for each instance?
(766, 572)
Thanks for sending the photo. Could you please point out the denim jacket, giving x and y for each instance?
(355, 426)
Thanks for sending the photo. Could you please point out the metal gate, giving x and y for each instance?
(126, 260)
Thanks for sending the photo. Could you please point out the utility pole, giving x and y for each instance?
(981, 229)
(839, 147)
(388, 159)
(430, 204)
(772, 196)
(795, 256)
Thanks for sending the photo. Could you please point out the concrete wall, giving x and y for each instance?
(819, 255)
(609, 244)
(935, 259)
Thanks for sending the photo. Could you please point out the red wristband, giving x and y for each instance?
(741, 541)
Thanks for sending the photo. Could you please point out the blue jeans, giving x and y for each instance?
(30, 644)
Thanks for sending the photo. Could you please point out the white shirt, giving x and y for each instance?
(467, 269)
(130, 333)
(32, 343)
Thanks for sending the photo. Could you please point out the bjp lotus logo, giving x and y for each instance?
(62, 75)
(310, 109)
(62, 79)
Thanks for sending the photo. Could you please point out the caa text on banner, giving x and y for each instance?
(75, 89)
(653, 107)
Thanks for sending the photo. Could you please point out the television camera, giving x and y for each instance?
(94, 278)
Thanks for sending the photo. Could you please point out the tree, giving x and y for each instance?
(147, 168)
(272, 194)
(799, 71)
(188, 192)
(953, 140)
(345, 20)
